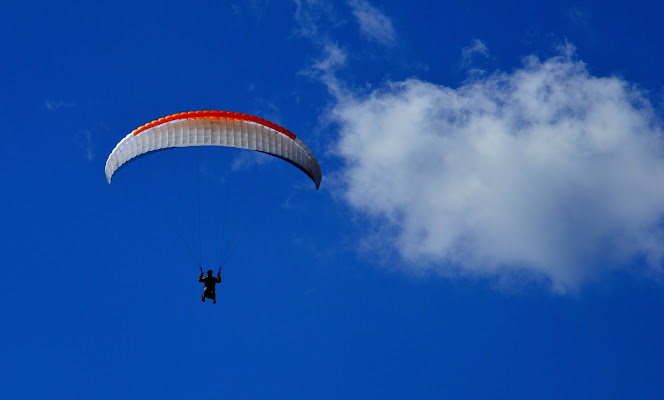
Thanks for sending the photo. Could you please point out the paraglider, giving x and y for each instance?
(210, 282)
(214, 128)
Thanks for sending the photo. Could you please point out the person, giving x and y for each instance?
(209, 281)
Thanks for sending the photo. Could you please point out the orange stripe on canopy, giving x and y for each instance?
(212, 114)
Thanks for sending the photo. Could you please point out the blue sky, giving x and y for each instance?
(489, 224)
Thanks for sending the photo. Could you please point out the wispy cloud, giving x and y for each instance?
(374, 25)
(84, 141)
(313, 17)
(578, 16)
(547, 171)
(258, 7)
(332, 57)
(255, 8)
(247, 159)
(55, 105)
(325, 67)
(476, 49)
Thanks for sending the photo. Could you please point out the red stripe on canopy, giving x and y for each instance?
(213, 114)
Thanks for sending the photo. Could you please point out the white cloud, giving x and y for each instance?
(547, 171)
(373, 23)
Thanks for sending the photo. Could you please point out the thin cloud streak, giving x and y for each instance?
(56, 105)
(84, 141)
(374, 25)
(475, 49)
(311, 16)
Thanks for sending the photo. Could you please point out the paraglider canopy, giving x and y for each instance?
(215, 128)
